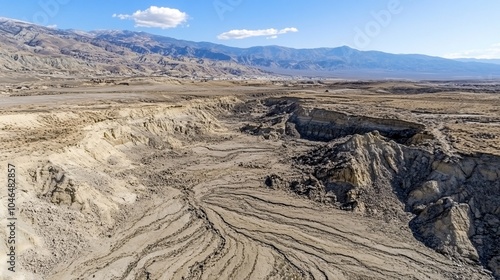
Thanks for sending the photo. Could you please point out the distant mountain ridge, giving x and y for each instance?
(129, 52)
(279, 59)
(492, 61)
(29, 49)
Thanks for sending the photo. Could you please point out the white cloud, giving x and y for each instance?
(493, 52)
(158, 17)
(52, 26)
(271, 33)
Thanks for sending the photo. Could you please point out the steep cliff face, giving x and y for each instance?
(325, 125)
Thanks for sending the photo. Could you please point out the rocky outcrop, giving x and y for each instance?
(454, 200)
(447, 226)
(54, 184)
(369, 171)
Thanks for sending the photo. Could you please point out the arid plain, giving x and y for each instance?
(156, 178)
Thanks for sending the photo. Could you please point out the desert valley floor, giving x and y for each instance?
(168, 179)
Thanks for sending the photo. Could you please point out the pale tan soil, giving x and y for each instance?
(156, 181)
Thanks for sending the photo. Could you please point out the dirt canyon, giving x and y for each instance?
(172, 179)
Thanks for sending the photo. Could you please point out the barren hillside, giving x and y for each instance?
(41, 52)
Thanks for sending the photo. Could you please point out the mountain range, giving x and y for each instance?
(28, 48)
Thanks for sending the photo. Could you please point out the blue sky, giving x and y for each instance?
(450, 28)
